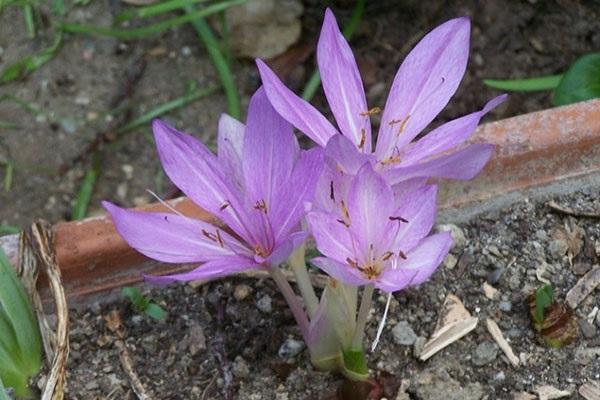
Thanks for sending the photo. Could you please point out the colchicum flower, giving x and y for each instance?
(379, 239)
(424, 84)
(257, 186)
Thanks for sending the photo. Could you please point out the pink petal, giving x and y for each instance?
(332, 187)
(172, 238)
(420, 264)
(283, 250)
(342, 84)
(464, 164)
(230, 143)
(424, 84)
(342, 272)
(294, 109)
(341, 154)
(290, 198)
(333, 238)
(370, 204)
(198, 173)
(211, 270)
(418, 208)
(270, 150)
(448, 135)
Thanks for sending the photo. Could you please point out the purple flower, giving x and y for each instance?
(424, 84)
(257, 186)
(379, 239)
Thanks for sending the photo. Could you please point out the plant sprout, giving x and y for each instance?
(370, 211)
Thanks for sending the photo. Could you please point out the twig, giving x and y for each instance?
(135, 382)
(569, 211)
(210, 383)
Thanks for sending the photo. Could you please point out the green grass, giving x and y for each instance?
(28, 64)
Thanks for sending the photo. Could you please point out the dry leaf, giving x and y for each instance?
(547, 392)
(590, 390)
(496, 333)
(583, 287)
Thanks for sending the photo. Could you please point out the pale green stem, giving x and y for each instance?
(361, 319)
(298, 264)
(292, 300)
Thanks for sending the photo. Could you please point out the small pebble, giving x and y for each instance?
(403, 334)
(494, 277)
(450, 261)
(186, 51)
(264, 304)
(558, 248)
(581, 268)
(240, 368)
(241, 292)
(500, 376)
(587, 330)
(290, 348)
(485, 353)
(419, 345)
(458, 237)
(505, 306)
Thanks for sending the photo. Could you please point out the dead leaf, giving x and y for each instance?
(590, 390)
(547, 392)
(583, 287)
(454, 322)
(496, 333)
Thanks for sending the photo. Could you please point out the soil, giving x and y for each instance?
(74, 91)
(223, 337)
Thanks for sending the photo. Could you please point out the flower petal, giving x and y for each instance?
(418, 208)
(341, 154)
(342, 272)
(333, 238)
(210, 270)
(171, 237)
(370, 204)
(290, 198)
(270, 150)
(448, 135)
(294, 109)
(420, 264)
(464, 164)
(424, 84)
(230, 143)
(342, 84)
(197, 172)
(283, 250)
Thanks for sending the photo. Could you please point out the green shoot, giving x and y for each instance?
(152, 29)
(315, 79)
(20, 341)
(8, 176)
(544, 297)
(580, 82)
(525, 85)
(27, 65)
(212, 47)
(155, 9)
(143, 304)
(8, 229)
(29, 20)
(8, 125)
(87, 188)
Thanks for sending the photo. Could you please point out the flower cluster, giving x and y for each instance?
(369, 207)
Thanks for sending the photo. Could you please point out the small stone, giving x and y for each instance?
(137, 319)
(186, 51)
(127, 170)
(197, 339)
(376, 91)
(478, 59)
(419, 345)
(450, 261)
(290, 348)
(587, 330)
(499, 377)
(93, 385)
(68, 125)
(122, 190)
(264, 304)
(505, 306)
(240, 368)
(82, 100)
(580, 268)
(458, 237)
(485, 353)
(494, 277)
(241, 292)
(558, 247)
(403, 334)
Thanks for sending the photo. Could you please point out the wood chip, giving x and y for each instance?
(496, 333)
(583, 287)
(454, 322)
(489, 291)
(547, 392)
(592, 315)
(134, 380)
(590, 390)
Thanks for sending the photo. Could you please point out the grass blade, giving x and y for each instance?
(155, 9)
(182, 101)
(8, 229)
(29, 21)
(87, 188)
(8, 125)
(8, 176)
(27, 65)
(220, 62)
(152, 29)
(525, 85)
(315, 79)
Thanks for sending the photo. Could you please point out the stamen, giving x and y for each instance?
(403, 125)
(261, 206)
(209, 235)
(224, 206)
(363, 138)
(399, 219)
(387, 255)
(352, 263)
(219, 239)
(164, 203)
(391, 160)
(402, 255)
(372, 111)
(260, 251)
(331, 191)
(345, 213)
